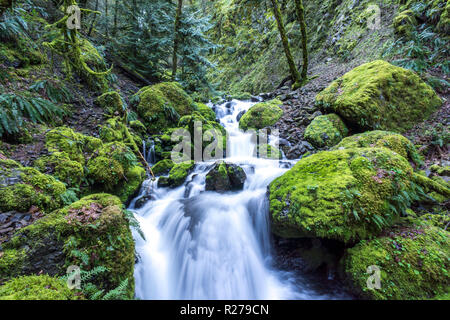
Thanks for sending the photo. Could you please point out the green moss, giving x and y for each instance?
(41, 287)
(326, 131)
(177, 175)
(163, 167)
(162, 104)
(444, 21)
(442, 171)
(11, 262)
(378, 95)
(242, 96)
(94, 227)
(343, 195)
(138, 127)
(206, 112)
(111, 102)
(74, 144)
(405, 22)
(115, 168)
(413, 264)
(23, 187)
(261, 115)
(61, 167)
(382, 139)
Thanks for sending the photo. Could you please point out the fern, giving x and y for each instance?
(55, 92)
(118, 293)
(14, 109)
(132, 221)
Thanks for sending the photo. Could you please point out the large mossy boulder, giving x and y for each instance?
(61, 167)
(261, 115)
(326, 131)
(206, 111)
(91, 233)
(344, 195)
(41, 287)
(382, 139)
(177, 175)
(412, 262)
(163, 167)
(24, 187)
(225, 177)
(379, 95)
(111, 102)
(115, 169)
(161, 105)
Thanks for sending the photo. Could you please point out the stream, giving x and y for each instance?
(207, 245)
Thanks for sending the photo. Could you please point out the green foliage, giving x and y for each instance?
(56, 92)
(15, 108)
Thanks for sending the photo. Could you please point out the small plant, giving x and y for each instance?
(55, 92)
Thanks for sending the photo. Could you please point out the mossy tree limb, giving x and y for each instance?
(287, 49)
(300, 9)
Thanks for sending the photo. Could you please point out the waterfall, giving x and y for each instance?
(209, 245)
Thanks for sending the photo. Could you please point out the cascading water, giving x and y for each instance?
(209, 245)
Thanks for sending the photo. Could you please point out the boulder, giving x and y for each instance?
(225, 177)
(326, 131)
(111, 102)
(161, 105)
(412, 262)
(91, 233)
(177, 175)
(379, 95)
(261, 115)
(345, 195)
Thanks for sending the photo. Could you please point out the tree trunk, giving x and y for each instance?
(106, 19)
(116, 11)
(176, 39)
(287, 49)
(301, 19)
(93, 19)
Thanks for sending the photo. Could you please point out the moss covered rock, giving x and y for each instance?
(92, 232)
(326, 131)
(111, 102)
(343, 195)
(378, 95)
(115, 168)
(24, 187)
(61, 167)
(382, 139)
(41, 287)
(261, 115)
(404, 23)
(161, 105)
(225, 177)
(74, 144)
(163, 167)
(444, 21)
(413, 264)
(177, 175)
(206, 112)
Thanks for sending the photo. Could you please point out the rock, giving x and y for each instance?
(24, 187)
(261, 115)
(177, 175)
(90, 233)
(345, 195)
(240, 114)
(163, 167)
(114, 168)
(207, 112)
(111, 102)
(413, 263)
(225, 177)
(382, 139)
(326, 131)
(142, 201)
(161, 105)
(269, 152)
(378, 95)
(299, 149)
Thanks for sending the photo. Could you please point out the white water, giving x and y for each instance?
(208, 245)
